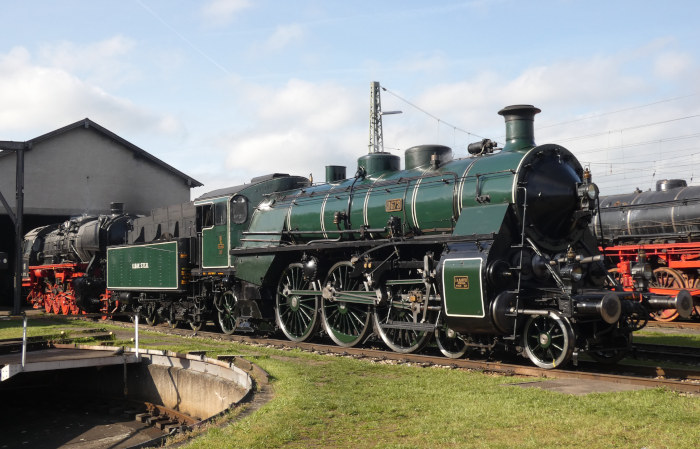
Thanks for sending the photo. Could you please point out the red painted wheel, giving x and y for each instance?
(48, 303)
(57, 290)
(64, 304)
(36, 299)
(693, 285)
(665, 277)
(69, 300)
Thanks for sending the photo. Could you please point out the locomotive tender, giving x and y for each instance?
(492, 249)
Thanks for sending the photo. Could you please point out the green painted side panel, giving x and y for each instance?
(336, 200)
(461, 284)
(153, 266)
(434, 203)
(493, 176)
(215, 243)
(215, 247)
(266, 218)
(481, 220)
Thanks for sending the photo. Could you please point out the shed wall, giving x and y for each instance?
(82, 171)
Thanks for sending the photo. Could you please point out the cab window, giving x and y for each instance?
(220, 213)
(205, 217)
(239, 210)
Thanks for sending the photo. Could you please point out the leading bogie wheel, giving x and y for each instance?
(296, 312)
(620, 347)
(548, 340)
(346, 323)
(449, 343)
(227, 316)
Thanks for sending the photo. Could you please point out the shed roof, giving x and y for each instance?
(87, 123)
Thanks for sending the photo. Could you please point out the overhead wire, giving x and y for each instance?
(439, 120)
(603, 114)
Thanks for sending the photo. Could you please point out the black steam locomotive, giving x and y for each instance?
(664, 226)
(63, 265)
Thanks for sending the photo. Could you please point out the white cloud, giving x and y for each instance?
(299, 128)
(283, 36)
(70, 56)
(672, 65)
(39, 98)
(221, 12)
(318, 106)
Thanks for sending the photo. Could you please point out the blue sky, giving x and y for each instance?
(225, 90)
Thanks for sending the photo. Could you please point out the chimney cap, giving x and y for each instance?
(519, 111)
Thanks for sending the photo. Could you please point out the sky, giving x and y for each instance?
(227, 90)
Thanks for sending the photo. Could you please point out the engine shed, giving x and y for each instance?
(80, 169)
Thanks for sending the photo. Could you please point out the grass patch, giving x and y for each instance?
(336, 402)
(352, 403)
(664, 338)
(48, 327)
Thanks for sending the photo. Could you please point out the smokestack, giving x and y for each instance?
(520, 132)
(116, 208)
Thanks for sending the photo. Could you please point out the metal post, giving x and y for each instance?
(24, 341)
(19, 236)
(17, 217)
(136, 337)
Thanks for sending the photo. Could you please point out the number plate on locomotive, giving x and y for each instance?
(395, 205)
(461, 282)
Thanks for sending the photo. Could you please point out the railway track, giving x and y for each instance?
(676, 379)
(690, 325)
(677, 354)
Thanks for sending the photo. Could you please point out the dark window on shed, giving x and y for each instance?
(220, 213)
(239, 210)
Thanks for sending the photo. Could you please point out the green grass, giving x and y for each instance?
(45, 327)
(664, 338)
(335, 402)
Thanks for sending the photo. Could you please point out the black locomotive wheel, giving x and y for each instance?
(296, 313)
(346, 323)
(227, 317)
(404, 341)
(548, 340)
(169, 312)
(449, 344)
(621, 345)
(149, 313)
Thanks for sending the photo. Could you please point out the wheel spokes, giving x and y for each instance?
(296, 314)
(346, 323)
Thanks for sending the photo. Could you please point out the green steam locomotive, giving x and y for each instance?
(488, 250)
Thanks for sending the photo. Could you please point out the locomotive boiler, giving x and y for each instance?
(63, 264)
(664, 226)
